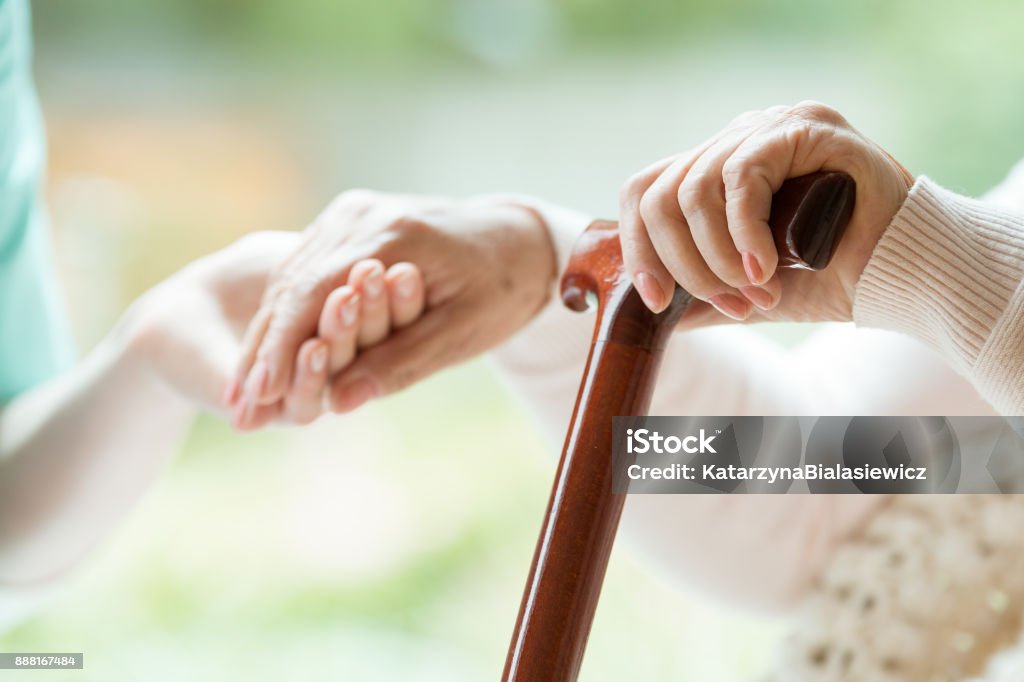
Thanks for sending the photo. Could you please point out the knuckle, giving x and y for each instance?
(650, 208)
(743, 175)
(402, 233)
(811, 110)
(694, 192)
(800, 135)
(632, 190)
(410, 226)
(279, 286)
(738, 171)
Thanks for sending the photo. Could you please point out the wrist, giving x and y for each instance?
(562, 225)
(525, 246)
(884, 209)
(138, 342)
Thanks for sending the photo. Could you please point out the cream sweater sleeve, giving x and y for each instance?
(948, 271)
(757, 550)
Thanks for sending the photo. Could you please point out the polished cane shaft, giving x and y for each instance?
(807, 219)
(579, 529)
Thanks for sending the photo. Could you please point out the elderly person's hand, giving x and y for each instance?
(488, 266)
(188, 330)
(700, 218)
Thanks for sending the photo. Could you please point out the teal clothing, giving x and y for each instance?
(35, 342)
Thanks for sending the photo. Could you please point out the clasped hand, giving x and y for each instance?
(383, 290)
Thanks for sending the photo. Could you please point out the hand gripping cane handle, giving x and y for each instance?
(808, 217)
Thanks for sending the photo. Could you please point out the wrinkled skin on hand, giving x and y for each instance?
(488, 267)
(700, 218)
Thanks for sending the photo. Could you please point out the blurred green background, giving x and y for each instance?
(393, 544)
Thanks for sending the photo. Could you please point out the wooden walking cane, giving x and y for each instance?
(808, 217)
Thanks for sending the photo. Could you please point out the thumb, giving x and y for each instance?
(412, 354)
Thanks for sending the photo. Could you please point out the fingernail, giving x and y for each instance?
(759, 297)
(254, 387)
(350, 311)
(373, 285)
(355, 394)
(752, 268)
(257, 381)
(406, 285)
(731, 306)
(240, 416)
(650, 291)
(318, 360)
(231, 391)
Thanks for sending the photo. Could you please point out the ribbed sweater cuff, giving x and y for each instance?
(948, 272)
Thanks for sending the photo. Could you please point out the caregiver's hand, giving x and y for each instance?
(77, 451)
(187, 330)
(488, 267)
(700, 218)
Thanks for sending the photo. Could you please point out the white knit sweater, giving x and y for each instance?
(933, 587)
(949, 272)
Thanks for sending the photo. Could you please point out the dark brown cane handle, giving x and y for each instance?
(808, 217)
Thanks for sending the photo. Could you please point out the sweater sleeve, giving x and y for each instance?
(948, 272)
(760, 551)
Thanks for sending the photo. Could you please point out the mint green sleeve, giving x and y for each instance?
(35, 342)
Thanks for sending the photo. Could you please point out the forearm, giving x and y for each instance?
(77, 453)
